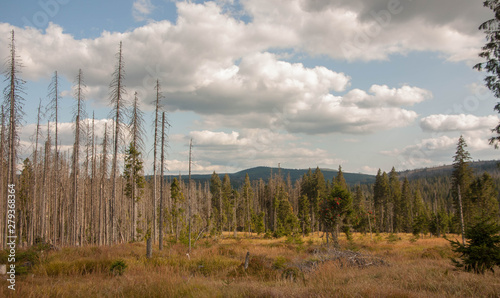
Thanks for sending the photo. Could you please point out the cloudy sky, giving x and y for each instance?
(304, 83)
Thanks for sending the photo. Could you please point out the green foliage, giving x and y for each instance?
(177, 212)
(336, 210)
(118, 267)
(491, 52)
(482, 250)
(484, 197)
(258, 223)
(216, 192)
(287, 222)
(462, 178)
(133, 173)
(303, 215)
(279, 263)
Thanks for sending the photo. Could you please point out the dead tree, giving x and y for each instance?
(54, 113)
(79, 112)
(155, 198)
(135, 179)
(117, 92)
(162, 163)
(13, 101)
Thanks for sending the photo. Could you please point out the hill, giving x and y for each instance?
(490, 166)
(238, 178)
(264, 173)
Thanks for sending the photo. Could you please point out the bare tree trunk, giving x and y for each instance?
(34, 202)
(117, 100)
(461, 215)
(189, 194)
(162, 162)
(92, 191)
(3, 166)
(13, 101)
(155, 198)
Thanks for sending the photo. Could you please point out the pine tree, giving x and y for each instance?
(247, 194)
(177, 212)
(134, 177)
(335, 212)
(484, 198)
(339, 180)
(462, 178)
(393, 206)
(491, 52)
(406, 207)
(381, 193)
(227, 202)
(303, 215)
(287, 222)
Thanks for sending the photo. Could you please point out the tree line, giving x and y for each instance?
(97, 193)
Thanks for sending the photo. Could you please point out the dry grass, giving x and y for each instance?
(215, 269)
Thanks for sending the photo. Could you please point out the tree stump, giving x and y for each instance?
(247, 259)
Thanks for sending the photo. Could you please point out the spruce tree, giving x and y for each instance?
(491, 53)
(461, 178)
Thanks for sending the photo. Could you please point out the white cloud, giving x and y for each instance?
(218, 66)
(367, 30)
(461, 122)
(439, 149)
(254, 147)
(141, 9)
(385, 96)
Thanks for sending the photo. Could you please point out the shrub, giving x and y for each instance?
(118, 267)
(482, 250)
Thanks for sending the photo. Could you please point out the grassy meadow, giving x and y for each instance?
(387, 265)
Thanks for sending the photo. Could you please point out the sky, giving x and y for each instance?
(301, 83)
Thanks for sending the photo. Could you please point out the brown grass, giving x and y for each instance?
(419, 268)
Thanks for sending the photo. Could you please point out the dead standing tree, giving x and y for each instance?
(13, 101)
(116, 94)
(136, 177)
(54, 114)
(79, 113)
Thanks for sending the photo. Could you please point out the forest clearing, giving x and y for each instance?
(399, 265)
(140, 163)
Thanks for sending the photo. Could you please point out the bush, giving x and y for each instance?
(118, 267)
(482, 250)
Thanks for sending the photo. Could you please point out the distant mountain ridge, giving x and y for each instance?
(264, 173)
(479, 167)
(256, 173)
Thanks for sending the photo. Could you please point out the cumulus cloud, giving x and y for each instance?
(439, 149)
(255, 147)
(461, 122)
(371, 30)
(385, 96)
(220, 67)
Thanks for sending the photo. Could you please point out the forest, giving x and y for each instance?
(98, 194)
